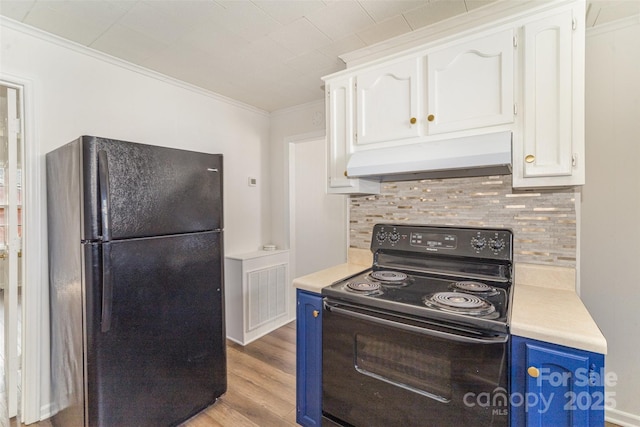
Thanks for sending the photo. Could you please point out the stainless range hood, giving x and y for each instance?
(480, 155)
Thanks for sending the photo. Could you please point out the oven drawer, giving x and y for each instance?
(381, 369)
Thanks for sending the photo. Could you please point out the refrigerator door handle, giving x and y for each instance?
(103, 184)
(107, 284)
(107, 288)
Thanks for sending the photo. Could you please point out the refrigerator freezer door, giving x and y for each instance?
(153, 191)
(163, 357)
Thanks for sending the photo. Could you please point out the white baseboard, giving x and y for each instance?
(47, 411)
(623, 419)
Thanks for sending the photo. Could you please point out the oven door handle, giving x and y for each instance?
(501, 339)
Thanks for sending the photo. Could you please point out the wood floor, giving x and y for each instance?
(261, 385)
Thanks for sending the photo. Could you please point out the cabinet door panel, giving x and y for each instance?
(340, 130)
(387, 100)
(548, 96)
(558, 387)
(554, 385)
(471, 84)
(340, 134)
(309, 360)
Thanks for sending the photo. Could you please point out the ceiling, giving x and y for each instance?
(266, 53)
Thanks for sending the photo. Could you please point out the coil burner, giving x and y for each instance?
(458, 302)
(390, 278)
(363, 287)
(476, 288)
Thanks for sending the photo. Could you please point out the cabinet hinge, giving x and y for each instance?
(593, 375)
(515, 109)
(574, 23)
(515, 41)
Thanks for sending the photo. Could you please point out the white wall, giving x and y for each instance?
(610, 226)
(319, 220)
(74, 92)
(290, 127)
(287, 125)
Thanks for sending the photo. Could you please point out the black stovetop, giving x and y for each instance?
(434, 259)
(414, 298)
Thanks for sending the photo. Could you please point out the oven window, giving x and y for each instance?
(404, 366)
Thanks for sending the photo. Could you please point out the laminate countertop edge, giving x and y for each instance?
(545, 304)
(556, 316)
(314, 282)
(546, 307)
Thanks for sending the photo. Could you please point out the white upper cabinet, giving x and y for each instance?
(339, 99)
(520, 69)
(550, 151)
(470, 84)
(460, 86)
(389, 102)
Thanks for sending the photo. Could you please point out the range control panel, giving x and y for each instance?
(489, 243)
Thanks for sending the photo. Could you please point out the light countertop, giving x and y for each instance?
(545, 304)
(547, 308)
(314, 282)
(359, 260)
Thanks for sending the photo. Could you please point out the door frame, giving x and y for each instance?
(35, 264)
(291, 146)
(291, 142)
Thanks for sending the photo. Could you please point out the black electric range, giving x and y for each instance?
(449, 274)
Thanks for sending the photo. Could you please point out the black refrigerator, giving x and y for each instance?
(136, 283)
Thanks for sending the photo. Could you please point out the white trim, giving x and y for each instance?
(578, 208)
(613, 26)
(78, 48)
(482, 18)
(623, 419)
(290, 189)
(34, 250)
(295, 108)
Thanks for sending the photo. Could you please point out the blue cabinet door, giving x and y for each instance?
(309, 359)
(553, 385)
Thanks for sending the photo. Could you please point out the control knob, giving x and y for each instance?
(381, 236)
(394, 237)
(478, 243)
(496, 245)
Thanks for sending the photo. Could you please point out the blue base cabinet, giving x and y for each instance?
(309, 359)
(553, 385)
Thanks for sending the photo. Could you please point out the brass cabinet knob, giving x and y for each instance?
(431, 117)
(530, 158)
(413, 120)
(345, 173)
(533, 372)
(315, 313)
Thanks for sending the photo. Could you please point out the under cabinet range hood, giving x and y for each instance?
(478, 155)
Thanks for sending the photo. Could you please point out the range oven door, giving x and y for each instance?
(385, 370)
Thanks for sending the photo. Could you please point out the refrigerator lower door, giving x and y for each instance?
(162, 357)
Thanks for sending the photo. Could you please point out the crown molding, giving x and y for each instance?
(92, 53)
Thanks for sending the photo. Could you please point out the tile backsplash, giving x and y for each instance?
(543, 221)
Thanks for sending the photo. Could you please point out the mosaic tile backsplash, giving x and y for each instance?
(543, 221)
